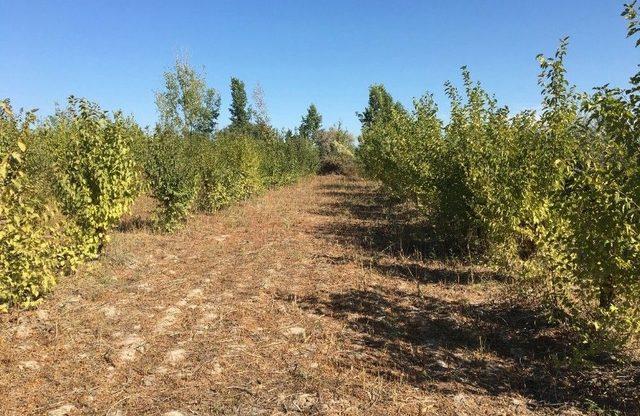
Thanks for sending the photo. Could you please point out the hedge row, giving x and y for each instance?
(67, 181)
(550, 197)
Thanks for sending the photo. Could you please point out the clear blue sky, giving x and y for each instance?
(326, 52)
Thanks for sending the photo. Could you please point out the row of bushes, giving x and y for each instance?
(196, 173)
(66, 182)
(552, 197)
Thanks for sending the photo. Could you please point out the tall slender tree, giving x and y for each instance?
(260, 112)
(311, 123)
(240, 112)
(380, 106)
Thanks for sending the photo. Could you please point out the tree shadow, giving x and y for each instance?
(134, 223)
(496, 347)
(422, 272)
(140, 217)
(394, 237)
(385, 222)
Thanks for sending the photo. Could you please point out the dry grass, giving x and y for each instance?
(304, 301)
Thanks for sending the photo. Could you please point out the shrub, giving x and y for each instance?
(301, 154)
(28, 261)
(553, 198)
(96, 176)
(172, 177)
(336, 151)
(591, 237)
(231, 171)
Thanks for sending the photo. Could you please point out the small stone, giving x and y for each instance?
(305, 401)
(145, 287)
(131, 345)
(442, 364)
(174, 413)
(109, 311)
(29, 365)
(62, 410)
(176, 356)
(149, 380)
(74, 299)
(195, 293)
(459, 398)
(170, 317)
(42, 315)
(217, 369)
(23, 332)
(296, 331)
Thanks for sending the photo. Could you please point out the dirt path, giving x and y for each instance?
(298, 302)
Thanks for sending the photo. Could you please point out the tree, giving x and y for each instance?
(261, 114)
(240, 113)
(333, 140)
(311, 123)
(187, 105)
(380, 106)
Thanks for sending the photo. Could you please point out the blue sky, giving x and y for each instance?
(326, 52)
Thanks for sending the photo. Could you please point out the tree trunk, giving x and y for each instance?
(606, 293)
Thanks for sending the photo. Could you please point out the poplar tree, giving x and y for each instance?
(240, 113)
(187, 105)
(311, 123)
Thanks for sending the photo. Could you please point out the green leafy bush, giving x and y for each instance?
(28, 254)
(173, 177)
(301, 155)
(336, 151)
(552, 198)
(96, 176)
(237, 164)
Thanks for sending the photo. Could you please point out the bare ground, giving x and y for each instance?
(303, 301)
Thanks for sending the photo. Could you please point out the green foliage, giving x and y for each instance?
(311, 123)
(230, 172)
(301, 154)
(554, 198)
(336, 150)
(96, 176)
(97, 164)
(335, 146)
(187, 105)
(240, 113)
(28, 252)
(238, 165)
(173, 177)
(380, 108)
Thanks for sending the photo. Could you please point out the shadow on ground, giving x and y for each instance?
(493, 346)
(134, 223)
(394, 237)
